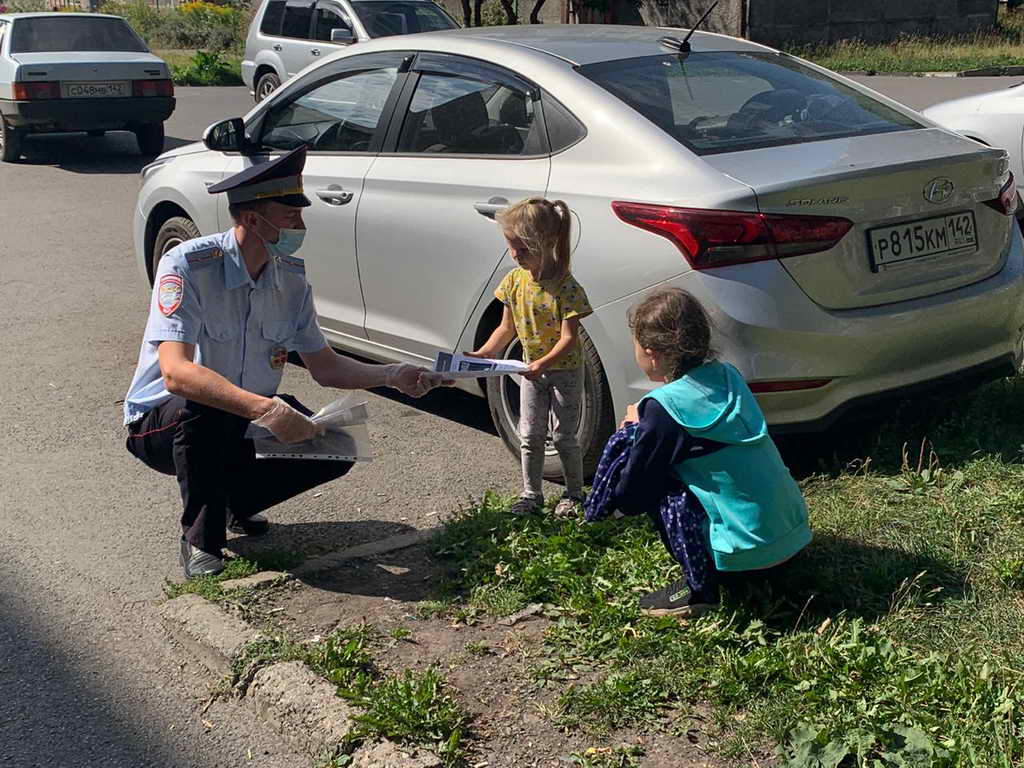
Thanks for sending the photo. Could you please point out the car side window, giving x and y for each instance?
(460, 114)
(297, 18)
(564, 129)
(328, 18)
(339, 115)
(272, 18)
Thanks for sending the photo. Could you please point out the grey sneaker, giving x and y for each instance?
(196, 562)
(527, 505)
(255, 525)
(569, 508)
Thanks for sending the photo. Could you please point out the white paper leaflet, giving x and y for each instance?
(457, 366)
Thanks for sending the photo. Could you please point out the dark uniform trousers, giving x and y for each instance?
(216, 466)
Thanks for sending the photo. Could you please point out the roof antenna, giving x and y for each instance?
(683, 46)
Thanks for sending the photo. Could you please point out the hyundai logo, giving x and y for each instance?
(938, 190)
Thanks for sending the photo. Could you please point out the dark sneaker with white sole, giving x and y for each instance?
(678, 601)
(196, 562)
(256, 525)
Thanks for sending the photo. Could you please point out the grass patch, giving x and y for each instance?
(202, 68)
(235, 568)
(896, 639)
(1000, 47)
(413, 708)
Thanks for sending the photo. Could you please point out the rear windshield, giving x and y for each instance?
(73, 33)
(382, 19)
(730, 101)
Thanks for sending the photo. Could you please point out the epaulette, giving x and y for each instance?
(292, 264)
(210, 254)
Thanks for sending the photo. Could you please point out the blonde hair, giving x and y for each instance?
(545, 227)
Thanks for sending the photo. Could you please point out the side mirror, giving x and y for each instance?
(227, 136)
(342, 36)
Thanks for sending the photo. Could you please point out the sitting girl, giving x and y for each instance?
(700, 462)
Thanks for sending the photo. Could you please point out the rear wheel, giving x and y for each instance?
(266, 85)
(172, 233)
(10, 142)
(596, 415)
(151, 139)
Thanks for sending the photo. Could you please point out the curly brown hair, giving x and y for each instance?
(675, 326)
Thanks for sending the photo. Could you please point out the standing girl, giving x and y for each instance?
(543, 307)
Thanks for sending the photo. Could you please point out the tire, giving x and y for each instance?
(596, 422)
(10, 143)
(151, 139)
(266, 85)
(95, 134)
(171, 234)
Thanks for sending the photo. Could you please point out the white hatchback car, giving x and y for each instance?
(846, 247)
(64, 72)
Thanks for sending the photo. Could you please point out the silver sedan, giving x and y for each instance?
(846, 246)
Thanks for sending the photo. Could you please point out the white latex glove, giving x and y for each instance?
(287, 424)
(411, 380)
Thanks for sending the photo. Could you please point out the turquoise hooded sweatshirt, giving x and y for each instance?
(756, 514)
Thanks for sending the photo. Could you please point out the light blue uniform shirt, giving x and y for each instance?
(242, 329)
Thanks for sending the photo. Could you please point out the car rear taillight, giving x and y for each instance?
(719, 238)
(36, 91)
(1006, 203)
(148, 88)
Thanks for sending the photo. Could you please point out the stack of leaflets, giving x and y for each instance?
(346, 437)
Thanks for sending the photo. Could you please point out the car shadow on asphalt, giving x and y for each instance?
(114, 153)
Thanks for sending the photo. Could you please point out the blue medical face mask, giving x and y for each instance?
(288, 240)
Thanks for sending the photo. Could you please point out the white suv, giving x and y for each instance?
(288, 35)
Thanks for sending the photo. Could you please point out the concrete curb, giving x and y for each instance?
(379, 547)
(288, 696)
(214, 637)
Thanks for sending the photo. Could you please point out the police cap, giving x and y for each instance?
(279, 181)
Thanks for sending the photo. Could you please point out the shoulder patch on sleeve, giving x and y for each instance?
(169, 294)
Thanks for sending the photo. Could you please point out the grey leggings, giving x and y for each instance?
(558, 394)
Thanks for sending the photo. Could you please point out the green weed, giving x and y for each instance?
(411, 708)
(607, 757)
(235, 568)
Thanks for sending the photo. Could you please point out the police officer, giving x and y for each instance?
(225, 311)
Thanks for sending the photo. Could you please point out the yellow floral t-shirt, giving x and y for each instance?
(539, 308)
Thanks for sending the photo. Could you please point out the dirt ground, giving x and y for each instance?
(488, 662)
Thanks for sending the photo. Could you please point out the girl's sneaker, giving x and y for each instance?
(678, 601)
(569, 508)
(527, 505)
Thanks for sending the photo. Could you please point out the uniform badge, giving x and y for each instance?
(169, 294)
(278, 357)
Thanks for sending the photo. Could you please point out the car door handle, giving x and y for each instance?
(315, 51)
(335, 195)
(277, 47)
(491, 207)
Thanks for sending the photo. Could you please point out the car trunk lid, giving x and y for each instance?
(86, 66)
(882, 184)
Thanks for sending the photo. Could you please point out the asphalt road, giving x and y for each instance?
(88, 534)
